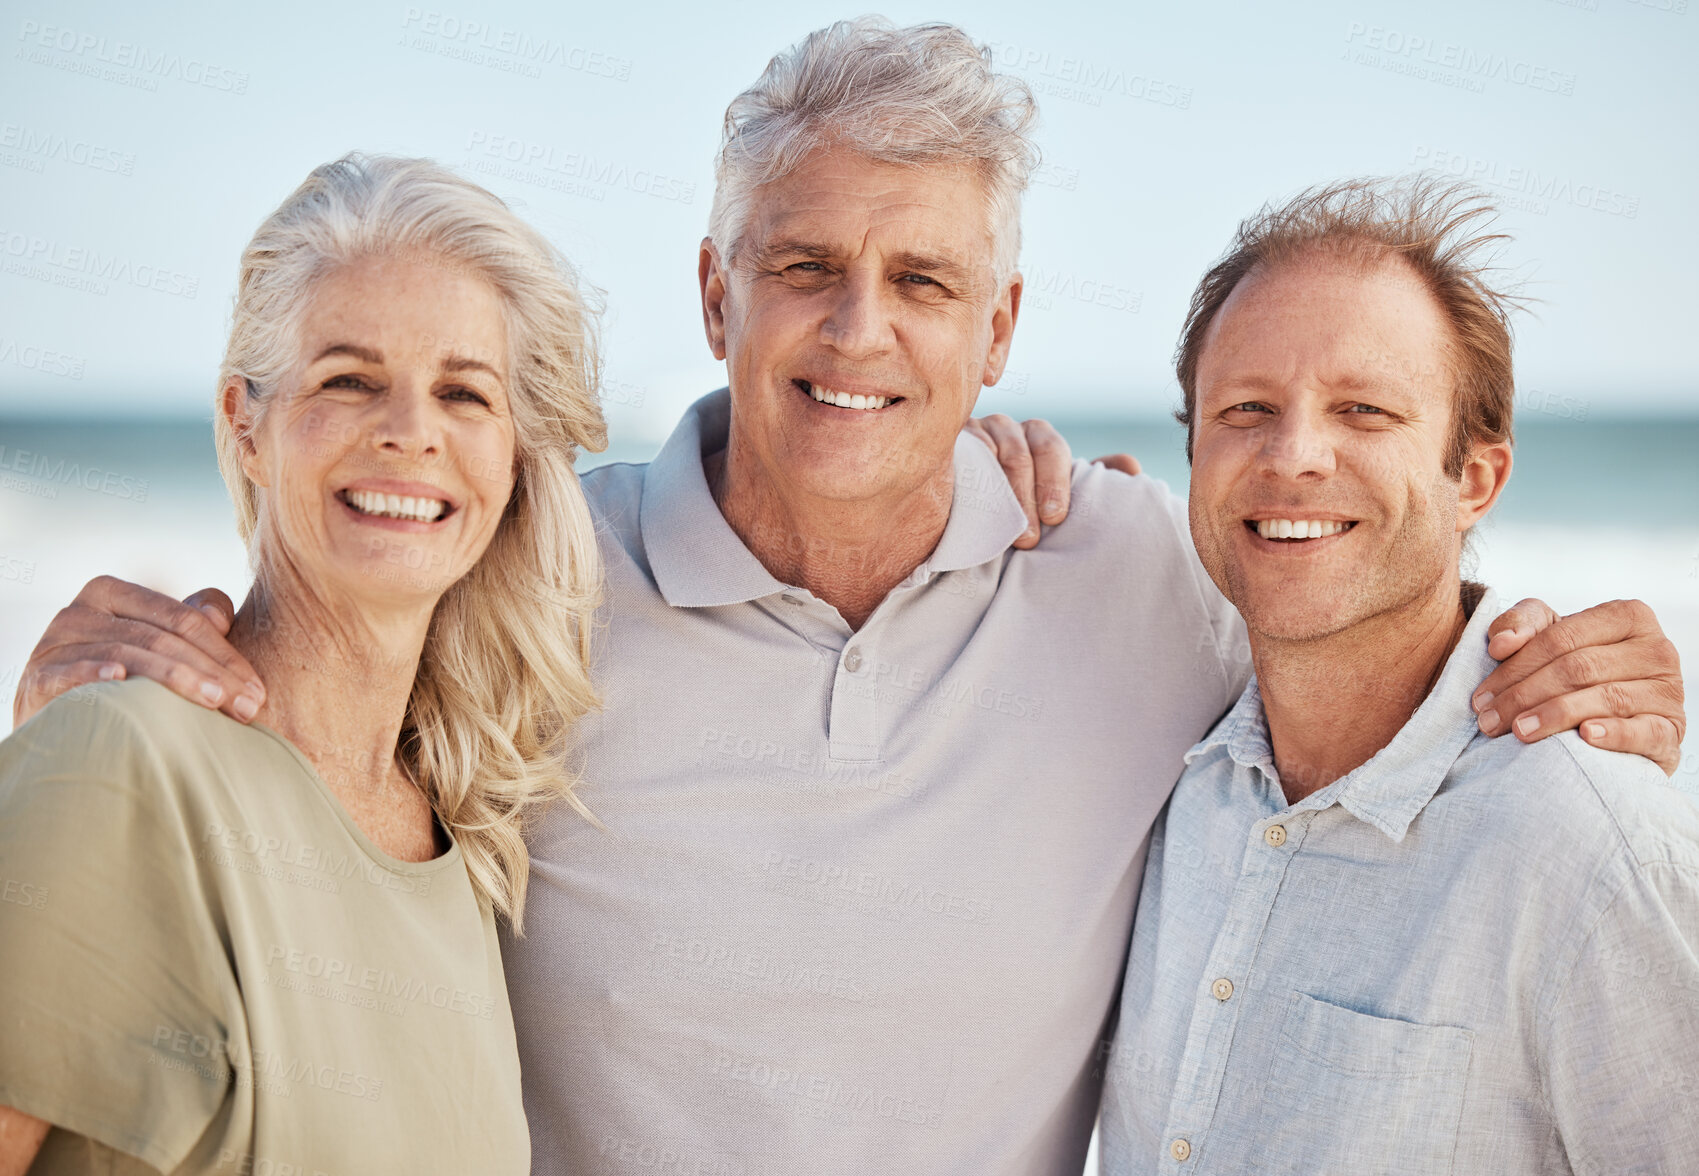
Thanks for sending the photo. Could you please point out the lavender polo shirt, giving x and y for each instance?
(863, 897)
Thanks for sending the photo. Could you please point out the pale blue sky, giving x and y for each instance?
(1163, 125)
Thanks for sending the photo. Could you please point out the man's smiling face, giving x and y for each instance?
(1324, 399)
(859, 319)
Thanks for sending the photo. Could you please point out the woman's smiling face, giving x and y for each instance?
(387, 456)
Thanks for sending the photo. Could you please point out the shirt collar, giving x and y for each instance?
(699, 561)
(1396, 784)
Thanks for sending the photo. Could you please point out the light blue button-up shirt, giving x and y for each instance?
(1469, 955)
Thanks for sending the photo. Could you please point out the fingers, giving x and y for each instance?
(217, 607)
(142, 651)
(143, 633)
(1610, 664)
(1009, 443)
(1052, 470)
(978, 430)
(1652, 736)
(1513, 628)
(200, 632)
(1598, 631)
(1126, 463)
(1567, 710)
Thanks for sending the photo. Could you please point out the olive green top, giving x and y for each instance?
(205, 966)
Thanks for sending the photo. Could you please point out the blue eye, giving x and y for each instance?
(1365, 408)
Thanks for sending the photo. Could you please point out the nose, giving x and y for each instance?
(407, 423)
(1297, 446)
(858, 323)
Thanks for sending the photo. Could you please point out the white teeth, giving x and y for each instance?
(845, 400)
(395, 506)
(1298, 528)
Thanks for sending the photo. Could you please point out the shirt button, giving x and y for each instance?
(1180, 1149)
(1221, 989)
(796, 600)
(1275, 835)
(852, 660)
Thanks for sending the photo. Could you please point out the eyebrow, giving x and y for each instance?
(927, 263)
(452, 363)
(931, 263)
(768, 251)
(365, 354)
(465, 363)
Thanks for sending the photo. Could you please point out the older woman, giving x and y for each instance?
(272, 948)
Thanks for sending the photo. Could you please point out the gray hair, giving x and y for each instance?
(926, 94)
(496, 691)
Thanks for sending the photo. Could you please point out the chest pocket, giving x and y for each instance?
(1354, 1095)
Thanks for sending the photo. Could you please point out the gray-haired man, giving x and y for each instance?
(876, 786)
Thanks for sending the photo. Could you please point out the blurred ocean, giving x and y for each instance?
(1594, 511)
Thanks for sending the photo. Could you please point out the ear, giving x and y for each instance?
(711, 276)
(237, 408)
(1003, 317)
(1484, 475)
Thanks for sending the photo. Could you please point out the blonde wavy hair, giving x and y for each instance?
(504, 671)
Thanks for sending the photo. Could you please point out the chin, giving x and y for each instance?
(1281, 622)
(1288, 609)
(832, 473)
(388, 584)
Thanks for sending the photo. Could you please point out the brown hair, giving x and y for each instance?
(1439, 229)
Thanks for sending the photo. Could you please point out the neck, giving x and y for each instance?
(337, 686)
(849, 554)
(1333, 703)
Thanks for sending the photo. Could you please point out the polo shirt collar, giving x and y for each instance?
(1398, 781)
(699, 561)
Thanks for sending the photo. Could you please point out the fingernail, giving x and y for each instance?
(1482, 698)
(1527, 724)
(1052, 506)
(212, 614)
(1489, 720)
(110, 672)
(1593, 730)
(212, 692)
(247, 707)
